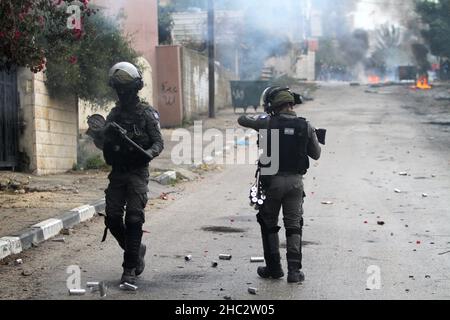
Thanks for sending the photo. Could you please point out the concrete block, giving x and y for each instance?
(5, 249)
(86, 212)
(50, 227)
(15, 244)
(167, 178)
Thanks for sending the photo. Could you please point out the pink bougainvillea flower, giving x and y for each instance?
(17, 35)
(73, 59)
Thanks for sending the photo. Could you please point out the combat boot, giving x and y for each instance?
(295, 275)
(128, 276)
(271, 246)
(141, 263)
(272, 269)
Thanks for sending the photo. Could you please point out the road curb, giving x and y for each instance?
(47, 229)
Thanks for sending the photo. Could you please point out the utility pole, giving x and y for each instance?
(211, 60)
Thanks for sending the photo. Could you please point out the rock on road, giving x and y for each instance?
(372, 138)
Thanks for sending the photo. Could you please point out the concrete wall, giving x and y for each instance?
(195, 85)
(49, 139)
(169, 85)
(141, 24)
(183, 85)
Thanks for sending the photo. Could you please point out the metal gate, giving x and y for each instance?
(8, 119)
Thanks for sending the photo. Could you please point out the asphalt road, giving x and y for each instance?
(372, 138)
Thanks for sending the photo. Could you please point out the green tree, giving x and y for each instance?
(76, 61)
(82, 67)
(436, 16)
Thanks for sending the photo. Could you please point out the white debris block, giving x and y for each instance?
(167, 178)
(397, 191)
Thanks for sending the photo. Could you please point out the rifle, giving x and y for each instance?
(98, 127)
(123, 134)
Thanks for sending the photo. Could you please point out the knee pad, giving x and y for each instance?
(134, 219)
(293, 231)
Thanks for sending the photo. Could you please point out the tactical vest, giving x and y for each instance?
(135, 123)
(293, 144)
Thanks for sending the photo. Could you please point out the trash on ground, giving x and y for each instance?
(128, 287)
(398, 191)
(214, 264)
(77, 292)
(188, 258)
(62, 239)
(225, 256)
(18, 261)
(252, 290)
(257, 259)
(424, 195)
(327, 202)
(381, 223)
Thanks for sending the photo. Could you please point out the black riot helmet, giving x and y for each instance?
(274, 97)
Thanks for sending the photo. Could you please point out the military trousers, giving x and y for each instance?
(126, 199)
(285, 192)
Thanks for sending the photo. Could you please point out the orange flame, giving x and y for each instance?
(374, 79)
(423, 84)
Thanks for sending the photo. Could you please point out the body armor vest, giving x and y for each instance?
(293, 144)
(135, 123)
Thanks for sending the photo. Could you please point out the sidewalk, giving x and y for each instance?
(36, 208)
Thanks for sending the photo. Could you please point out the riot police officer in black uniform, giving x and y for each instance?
(297, 142)
(128, 187)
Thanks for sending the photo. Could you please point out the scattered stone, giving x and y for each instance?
(188, 258)
(397, 191)
(381, 223)
(427, 277)
(18, 262)
(66, 231)
(257, 259)
(424, 195)
(327, 202)
(252, 290)
(167, 178)
(403, 174)
(227, 297)
(214, 264)
(225, 256)
(27, 273)
(185, 174)
(61, 239)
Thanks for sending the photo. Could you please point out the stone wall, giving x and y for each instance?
(48, 142)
